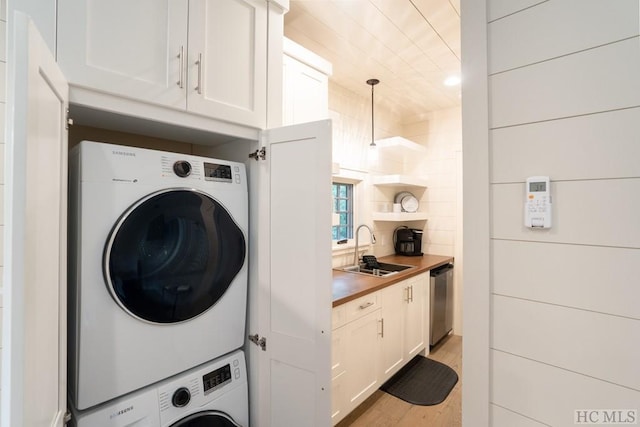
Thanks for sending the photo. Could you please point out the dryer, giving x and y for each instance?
(213, 394)
(157, 266)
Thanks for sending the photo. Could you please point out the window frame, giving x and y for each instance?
(357, 178)
(350, 208)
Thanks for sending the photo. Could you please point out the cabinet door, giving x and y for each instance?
(393, 300)
(362, 349)
(134, 49)
(338, 374)
(228, 60)
(305, 96)
(35, 350)
(415, 316)
(289, 284)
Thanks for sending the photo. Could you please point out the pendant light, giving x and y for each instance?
(372, 82)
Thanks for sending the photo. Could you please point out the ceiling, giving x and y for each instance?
(411, 46)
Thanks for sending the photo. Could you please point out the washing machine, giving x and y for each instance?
(157, 266)
(211, 395)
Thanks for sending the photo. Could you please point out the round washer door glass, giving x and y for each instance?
(206, 419)
(172, 255)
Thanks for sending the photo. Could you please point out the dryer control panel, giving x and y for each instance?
(217, 172)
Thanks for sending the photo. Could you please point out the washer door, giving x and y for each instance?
(207, 419)
(172, 255)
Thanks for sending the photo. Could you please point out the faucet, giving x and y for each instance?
(373, 240)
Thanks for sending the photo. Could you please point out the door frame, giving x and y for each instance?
(476, 216)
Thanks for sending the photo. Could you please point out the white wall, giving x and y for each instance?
(438, 131)
(564, 101)
(3, 100)
(441, 133)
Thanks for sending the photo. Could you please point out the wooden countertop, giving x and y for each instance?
(349, 286)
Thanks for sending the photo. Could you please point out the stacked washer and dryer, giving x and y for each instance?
(157, 288)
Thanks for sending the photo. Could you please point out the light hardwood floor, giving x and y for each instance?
(384, 410)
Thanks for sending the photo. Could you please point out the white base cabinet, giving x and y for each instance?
(405, 322)
(394, 301)
(374, 337)
(416, 319)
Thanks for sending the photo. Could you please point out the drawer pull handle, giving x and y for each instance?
(363, 306)
(382, 328)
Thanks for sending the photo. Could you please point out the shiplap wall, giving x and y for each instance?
(564, 101)
(3, 102)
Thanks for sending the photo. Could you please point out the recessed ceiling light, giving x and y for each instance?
(452, 81)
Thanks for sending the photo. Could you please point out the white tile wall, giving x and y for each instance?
(439, 131)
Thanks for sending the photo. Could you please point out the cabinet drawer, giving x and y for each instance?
(362, 306)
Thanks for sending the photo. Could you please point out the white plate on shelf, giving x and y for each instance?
(409, 204)
(401, 195)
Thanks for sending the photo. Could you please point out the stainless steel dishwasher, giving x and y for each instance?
(441, 303)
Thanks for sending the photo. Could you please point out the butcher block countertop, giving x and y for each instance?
(349, 286)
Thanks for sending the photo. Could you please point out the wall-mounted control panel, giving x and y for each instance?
(537, 205)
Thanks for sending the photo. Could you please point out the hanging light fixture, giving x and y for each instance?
(372, 82)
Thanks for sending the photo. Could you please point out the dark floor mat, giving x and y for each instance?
(422, 382)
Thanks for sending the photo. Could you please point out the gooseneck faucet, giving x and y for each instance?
(373, 240)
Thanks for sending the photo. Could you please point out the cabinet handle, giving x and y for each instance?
(381, 327)
(199, 62)
(363, 306)
(411, 293)
(181, 73)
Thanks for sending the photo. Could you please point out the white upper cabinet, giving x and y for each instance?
(228, 60)
(127, 48)
(305, 95)
(201, 56)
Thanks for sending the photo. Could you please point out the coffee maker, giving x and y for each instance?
(407, 241)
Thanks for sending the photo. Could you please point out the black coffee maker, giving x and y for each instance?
(407, 241)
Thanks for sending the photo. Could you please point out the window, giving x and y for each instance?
(343, 207)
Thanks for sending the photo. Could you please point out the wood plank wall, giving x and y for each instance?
(3, 103)
(564, 101)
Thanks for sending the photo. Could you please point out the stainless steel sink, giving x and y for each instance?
(386, 269)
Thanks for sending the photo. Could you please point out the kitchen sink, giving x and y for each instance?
(386, 269)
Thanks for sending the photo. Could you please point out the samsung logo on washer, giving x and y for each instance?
(121, 412)
(123, 153)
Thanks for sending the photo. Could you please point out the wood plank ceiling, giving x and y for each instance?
(411, 46)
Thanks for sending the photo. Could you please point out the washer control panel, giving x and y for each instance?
(194, 389)
(216, 378)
